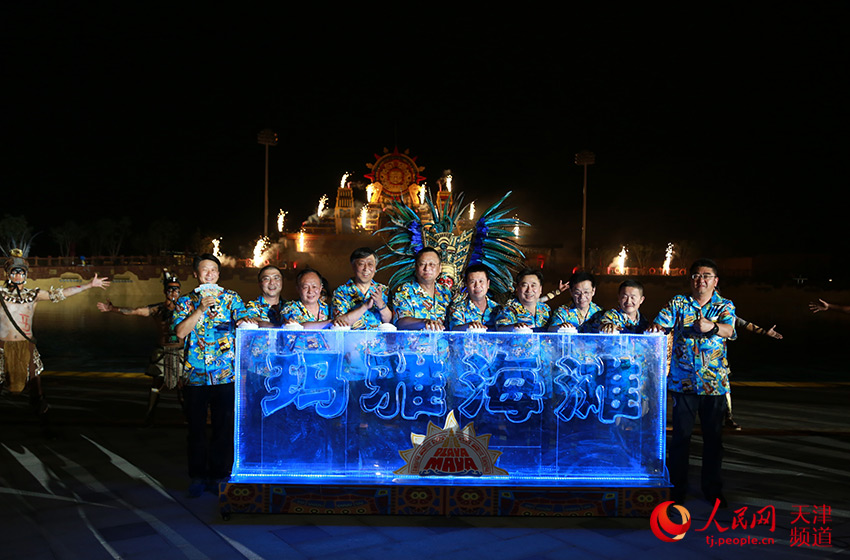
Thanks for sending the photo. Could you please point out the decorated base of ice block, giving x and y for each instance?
(438, 500)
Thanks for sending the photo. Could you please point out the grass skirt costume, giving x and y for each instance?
(20, 362)
(167, 362)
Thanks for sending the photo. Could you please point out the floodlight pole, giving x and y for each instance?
(584, 158)
(267, 137)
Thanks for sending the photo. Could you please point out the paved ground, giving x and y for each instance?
(104, 487)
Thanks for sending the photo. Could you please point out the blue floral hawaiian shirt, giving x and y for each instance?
(568, 314)
(410, 300)
(463, 312)
(348, 296)
(295, 311)
(699, 362)
(624, 323)
(513, 312)
(259, 309)
(211, 346)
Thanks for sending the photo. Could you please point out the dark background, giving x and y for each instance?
(723, 126)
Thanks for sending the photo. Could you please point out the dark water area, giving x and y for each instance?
(75, 336)
(97, 343)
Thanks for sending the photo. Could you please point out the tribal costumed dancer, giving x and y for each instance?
(490, 243)
(166, 363)
(20, 362)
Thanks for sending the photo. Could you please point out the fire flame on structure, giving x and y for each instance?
(216, 250)
(259, 258)
(301, 242)
(343, 180)
(322, 202)
(281, 220)
(472, 210)
(668, 258)
(619, 262)
(364, 217)
(449, 183)
(370, 190)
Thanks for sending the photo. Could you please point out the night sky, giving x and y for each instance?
(726, 128)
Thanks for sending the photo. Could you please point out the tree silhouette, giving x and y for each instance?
(67, 236)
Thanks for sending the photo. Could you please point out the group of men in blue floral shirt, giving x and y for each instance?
(206, 319)
(700, 324)
(425, 303)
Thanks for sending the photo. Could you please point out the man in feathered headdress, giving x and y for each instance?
(490, 243)
(20, 363)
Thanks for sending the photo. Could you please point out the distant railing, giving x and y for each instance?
(644, 271)
(144, 267)
(121, 260)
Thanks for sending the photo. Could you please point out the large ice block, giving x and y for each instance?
(450, 408)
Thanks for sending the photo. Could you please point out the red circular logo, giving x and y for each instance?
(665, 529)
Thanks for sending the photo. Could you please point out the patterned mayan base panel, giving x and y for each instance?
(437, 500)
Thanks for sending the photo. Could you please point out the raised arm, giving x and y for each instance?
(108, 307)
(57, 295)
(752, 327)
(821, 305)
(188, 324)
(381, 303)
(562, 287)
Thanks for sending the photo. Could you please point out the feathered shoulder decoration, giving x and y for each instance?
(490, 242)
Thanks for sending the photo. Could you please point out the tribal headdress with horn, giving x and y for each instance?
(17, 252)
(169, 278)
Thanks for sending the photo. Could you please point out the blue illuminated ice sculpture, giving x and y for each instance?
(449, 407)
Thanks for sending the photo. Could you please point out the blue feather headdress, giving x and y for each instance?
(490, 243)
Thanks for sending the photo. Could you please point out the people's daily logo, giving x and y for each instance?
(666, 529)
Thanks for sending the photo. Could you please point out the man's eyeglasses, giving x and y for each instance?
(703, 276)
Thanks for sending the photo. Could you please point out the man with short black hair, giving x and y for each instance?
(524, 310)
(474, 309)
(265, 310)
(422, 304)
(582, 313)
(206, 319)
(626, 317)
(701, 322)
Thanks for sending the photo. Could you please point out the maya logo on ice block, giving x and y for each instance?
(449, 451)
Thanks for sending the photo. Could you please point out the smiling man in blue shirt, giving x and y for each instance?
(474, 309)
(361, 303)
(422, 304)
(206, 319)
(525, 309)
(626, 318)
(701, 323)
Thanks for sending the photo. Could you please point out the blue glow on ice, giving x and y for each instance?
(340, 406)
